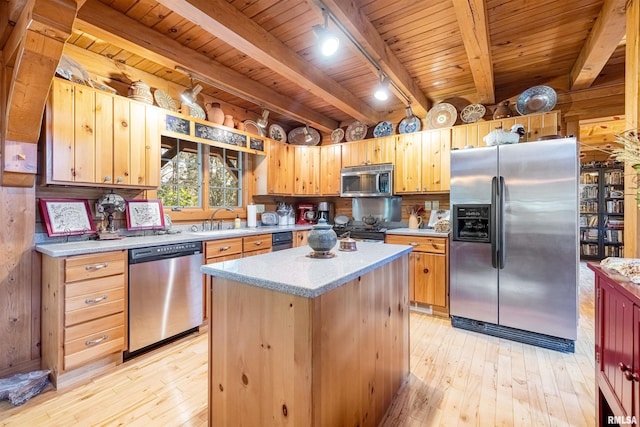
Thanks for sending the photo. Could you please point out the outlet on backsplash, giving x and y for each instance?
(427, 205)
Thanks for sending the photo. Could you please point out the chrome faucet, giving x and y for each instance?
(211, 218)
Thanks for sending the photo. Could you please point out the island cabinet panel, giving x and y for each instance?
(617, 346)
(84, 303)
(336, 359)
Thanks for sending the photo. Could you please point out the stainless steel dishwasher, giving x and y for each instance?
(165, 293)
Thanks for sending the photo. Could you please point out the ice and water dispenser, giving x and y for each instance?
(472, 223)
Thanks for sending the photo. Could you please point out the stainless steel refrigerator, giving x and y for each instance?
(514, 244)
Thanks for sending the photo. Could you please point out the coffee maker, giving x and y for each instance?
(325, 211)
(306, 213)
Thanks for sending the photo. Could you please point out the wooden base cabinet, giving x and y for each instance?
(428, 270)
(300, 238)
(84, 302)
(617, 348)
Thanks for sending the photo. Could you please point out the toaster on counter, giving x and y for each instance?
(269, 218)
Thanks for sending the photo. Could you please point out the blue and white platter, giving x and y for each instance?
(409, 125)
(383, 128)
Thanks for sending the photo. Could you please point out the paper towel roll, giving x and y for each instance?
(251, 215)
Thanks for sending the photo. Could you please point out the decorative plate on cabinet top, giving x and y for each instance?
(472, 113)
(356, 131)
(197, 112)
(536, 99)
(297, 136)
(383, 128)
(164, 100)
(441, 116)
(409, 125)
(277, 133)
(252, 127)
(337, 135)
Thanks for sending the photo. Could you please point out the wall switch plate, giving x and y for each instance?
(435, 204)
(259, 208)
(427, 205)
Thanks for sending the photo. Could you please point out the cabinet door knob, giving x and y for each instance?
(426, 270)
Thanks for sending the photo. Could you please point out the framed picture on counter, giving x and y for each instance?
(145, 215)
(65, 217)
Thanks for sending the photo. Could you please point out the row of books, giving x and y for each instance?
(613, 251)
(614, 177)
(614, 222)
(613, 236)
(589, 234)
(589, 220)
(589, 192)
(615, 206)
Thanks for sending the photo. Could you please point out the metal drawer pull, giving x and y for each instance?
(90, 343)
(95, 300)
(414, 244)
(224, 248)
(258, 242)
(96, 266)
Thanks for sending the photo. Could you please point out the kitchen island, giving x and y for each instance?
(295, 340)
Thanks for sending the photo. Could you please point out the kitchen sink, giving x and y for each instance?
(227, 232)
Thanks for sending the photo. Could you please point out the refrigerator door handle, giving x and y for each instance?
(494, 242)
(501, 251)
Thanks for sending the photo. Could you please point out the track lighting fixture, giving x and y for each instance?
(262, 121)
(327, 40)
(308, 138)
(382, 90)
(190, 95)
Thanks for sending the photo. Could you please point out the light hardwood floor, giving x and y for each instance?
(458, 378)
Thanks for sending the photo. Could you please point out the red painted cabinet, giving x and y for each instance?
(617, 346)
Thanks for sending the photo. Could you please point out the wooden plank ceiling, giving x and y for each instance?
(262, 53)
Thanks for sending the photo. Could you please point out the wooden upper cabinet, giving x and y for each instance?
(280, 168)
(535, 125)
(306, 170)
(94, 137)
(422, 161)
(354, 153)
(368, 151)
(330, 165)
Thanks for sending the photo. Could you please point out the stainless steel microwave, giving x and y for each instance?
(367, 181)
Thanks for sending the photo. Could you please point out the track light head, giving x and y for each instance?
(382, 90)
(327, 40)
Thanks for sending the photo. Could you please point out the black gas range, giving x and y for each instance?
(362, 231)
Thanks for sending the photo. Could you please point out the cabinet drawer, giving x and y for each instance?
(216, 248)
(254, 243)
(85, 267)
(435, 245)
(223, 258)
(93, 306)
(102, 284)
(91, 340)
(257, 252)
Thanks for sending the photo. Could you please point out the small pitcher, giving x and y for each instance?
(414, 221)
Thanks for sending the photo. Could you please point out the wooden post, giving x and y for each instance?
(632, 117)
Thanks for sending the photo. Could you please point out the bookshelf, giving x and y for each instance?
(601, 210)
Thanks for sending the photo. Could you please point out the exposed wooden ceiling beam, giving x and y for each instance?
(30, 57)
(227, 23)
(363, 31)
(606, 34)
(111, 26)
(474, 26)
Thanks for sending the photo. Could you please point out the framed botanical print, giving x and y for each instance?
(64, 217)
(145, 215)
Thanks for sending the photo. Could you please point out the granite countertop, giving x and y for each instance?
(292, 271)
(96, 246)
(426, 232)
